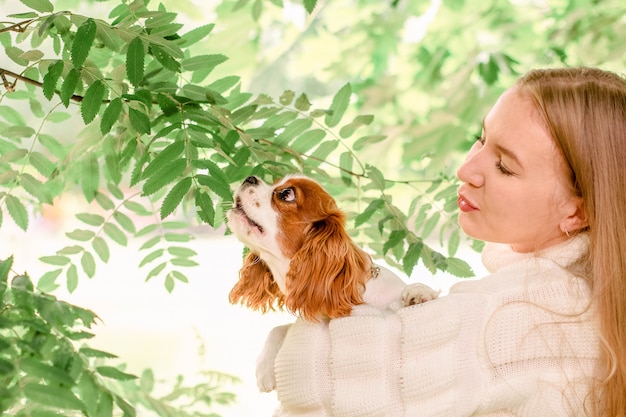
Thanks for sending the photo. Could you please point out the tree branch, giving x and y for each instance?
(10, 87)
(18, 27)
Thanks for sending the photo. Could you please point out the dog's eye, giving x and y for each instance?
(287, 194)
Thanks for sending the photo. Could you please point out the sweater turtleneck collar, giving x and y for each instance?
(496, 256)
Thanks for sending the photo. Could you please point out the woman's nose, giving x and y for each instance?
(470, 171)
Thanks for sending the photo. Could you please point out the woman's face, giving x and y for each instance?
(515, 189)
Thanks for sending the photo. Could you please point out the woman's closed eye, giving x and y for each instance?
(499, 165)
(503, 169)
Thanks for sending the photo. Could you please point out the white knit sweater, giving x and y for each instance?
(519, 342)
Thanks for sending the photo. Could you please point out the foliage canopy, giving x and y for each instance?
(154, 120)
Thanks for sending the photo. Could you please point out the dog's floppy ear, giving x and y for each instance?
(256, 287)
(327, 275)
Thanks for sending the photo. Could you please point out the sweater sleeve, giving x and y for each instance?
(382, 363)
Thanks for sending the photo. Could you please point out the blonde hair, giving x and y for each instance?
(584, 109)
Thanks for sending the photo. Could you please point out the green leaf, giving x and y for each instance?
(175, 196)
(90, 219)
(6, 367)
(81, 235)
(164, 58)
(372, 208)
(124, 221)
(104, 201)
(42, 164)
(85, 35)
(115, 233)
(42, 6)
(70, 250)
(135, 57)
(204, 206)
(430, 224)
(114, 373)
(92, 101)
(347, 130)
(453, 242)
(94, 353)
(110, 115)
(105, 406)
(165, 157)
(308, 140)
(292, 130)
(164, 176)
(396, 237)
(36, 368)
(137, 208)
(47, 282)
(72, 278)
(183, 262)
(55, 260)
(151, 257)
(17, 211)
(101, 248)
(139, 120)
(325, 149)
(365, 141)
(35, 188)
(302, 103)
(52, 396)
(12, 116)
(88, 263)
(196, 35)
(286, 97)
(224, 83)
(51, 78)
(459, 268)
(376, 177)
(309, 5)
(69, 86)
(181, 252)
(203, 62)
(339, 105)
(411, 257)
(5, 268)
(150, 242)
(90, 176)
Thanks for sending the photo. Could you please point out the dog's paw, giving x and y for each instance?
(418, 294)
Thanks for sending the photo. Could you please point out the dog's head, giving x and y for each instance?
(294, 227)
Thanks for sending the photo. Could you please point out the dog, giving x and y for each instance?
(302, 259)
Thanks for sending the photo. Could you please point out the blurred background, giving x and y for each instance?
(427, 70)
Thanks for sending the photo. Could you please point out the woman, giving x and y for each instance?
(544, 333)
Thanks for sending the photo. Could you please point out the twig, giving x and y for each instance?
(10, 87)
(18, 27)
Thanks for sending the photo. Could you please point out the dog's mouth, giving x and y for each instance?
(242, 212)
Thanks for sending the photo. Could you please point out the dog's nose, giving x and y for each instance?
(252, 180)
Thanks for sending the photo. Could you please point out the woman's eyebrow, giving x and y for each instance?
(505, 151)
(509, 153)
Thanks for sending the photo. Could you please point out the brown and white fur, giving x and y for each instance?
(302, 259)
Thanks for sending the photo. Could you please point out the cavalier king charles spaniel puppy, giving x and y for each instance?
(302, 259)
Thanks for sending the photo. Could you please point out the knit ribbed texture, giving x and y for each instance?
(520, 342)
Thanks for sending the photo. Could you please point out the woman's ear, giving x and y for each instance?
(327, 275)
(256, 287)
(576, 218)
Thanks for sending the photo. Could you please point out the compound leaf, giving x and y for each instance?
(135, 57)
(92, 101)
(85, 35)
(175, 196)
